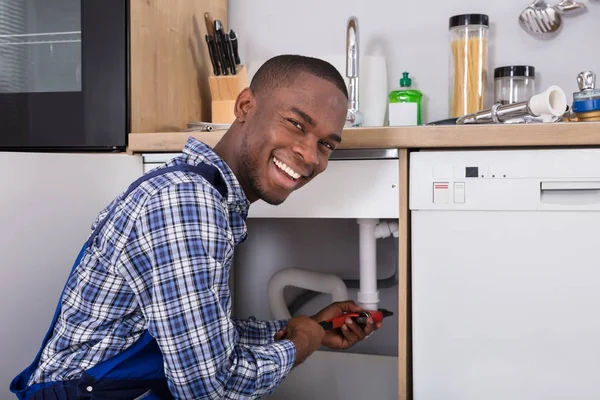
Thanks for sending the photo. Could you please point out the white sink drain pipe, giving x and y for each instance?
(370, 229)
(305, 279)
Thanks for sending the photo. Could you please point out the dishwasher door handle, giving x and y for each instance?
(570, 185)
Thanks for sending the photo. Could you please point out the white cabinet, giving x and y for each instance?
(47, 205)
(349, 188)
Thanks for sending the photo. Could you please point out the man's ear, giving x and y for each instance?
(244, 104)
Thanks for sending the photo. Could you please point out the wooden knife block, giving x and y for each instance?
(224, 90)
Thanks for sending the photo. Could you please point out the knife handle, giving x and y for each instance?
(211, 52)
(208, 21)
(230, 57)
(221, 54)
(221, 46)
(234, 44)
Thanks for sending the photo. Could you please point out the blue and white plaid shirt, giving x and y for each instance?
(162, 263)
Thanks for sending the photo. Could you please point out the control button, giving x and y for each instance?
(472, 172)
(459, 192)
(441, 192)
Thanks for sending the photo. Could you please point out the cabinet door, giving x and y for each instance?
(347, 189)
(47, 205)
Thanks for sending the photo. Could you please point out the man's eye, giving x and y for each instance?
(328, 145)
(296, 124)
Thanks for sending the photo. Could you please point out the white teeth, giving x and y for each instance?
(286, 169)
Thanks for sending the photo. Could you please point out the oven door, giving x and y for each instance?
(63, 74)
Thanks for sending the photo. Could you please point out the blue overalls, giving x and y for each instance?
(135, 373)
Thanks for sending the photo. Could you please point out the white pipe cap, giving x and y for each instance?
(553, 102)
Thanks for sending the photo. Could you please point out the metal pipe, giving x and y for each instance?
(549, 105)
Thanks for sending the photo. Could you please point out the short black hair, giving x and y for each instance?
(282, 71)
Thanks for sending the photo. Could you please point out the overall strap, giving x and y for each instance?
(209, 172)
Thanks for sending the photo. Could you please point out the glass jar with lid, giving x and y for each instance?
(468, 63)
(514, 84)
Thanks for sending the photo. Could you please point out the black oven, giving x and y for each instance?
(64, 75)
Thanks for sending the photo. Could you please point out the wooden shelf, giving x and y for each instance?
(443, 136)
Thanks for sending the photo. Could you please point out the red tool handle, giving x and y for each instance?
(358, 317)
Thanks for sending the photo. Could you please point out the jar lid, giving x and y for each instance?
(515, 70)
(469, 19)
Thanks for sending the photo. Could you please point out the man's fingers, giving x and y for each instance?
(356, 329)
(370, 327)
(350, 336)
(281, 334)
(348, 306)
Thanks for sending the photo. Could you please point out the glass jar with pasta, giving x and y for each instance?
(468, 63)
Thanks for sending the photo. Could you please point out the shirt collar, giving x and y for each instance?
(198, 152)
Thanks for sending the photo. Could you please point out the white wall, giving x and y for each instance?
(413, 35)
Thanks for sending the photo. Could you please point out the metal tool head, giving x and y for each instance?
(540, 19)
(586, 80)
(386, 313)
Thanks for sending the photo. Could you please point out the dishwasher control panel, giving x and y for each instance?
(487, 180)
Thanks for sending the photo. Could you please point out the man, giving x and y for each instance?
(146, 311)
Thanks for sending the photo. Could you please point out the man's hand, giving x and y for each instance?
(350, 333)
(306, 334)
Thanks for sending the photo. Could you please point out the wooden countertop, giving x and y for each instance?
(414, 137)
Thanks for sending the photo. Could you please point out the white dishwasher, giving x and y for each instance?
(505, 274)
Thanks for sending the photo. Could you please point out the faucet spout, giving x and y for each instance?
(354, 116)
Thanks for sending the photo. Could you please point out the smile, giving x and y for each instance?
(287, 170)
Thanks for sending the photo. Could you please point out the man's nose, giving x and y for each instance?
(308, 150)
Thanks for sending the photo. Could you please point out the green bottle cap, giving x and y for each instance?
(405, 81)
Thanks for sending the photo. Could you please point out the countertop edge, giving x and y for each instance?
(564, 134)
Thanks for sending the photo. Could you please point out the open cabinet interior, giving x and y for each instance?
(330, 246)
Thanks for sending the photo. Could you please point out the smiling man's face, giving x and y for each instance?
(289, 135)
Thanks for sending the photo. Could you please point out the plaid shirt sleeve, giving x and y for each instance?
(173, 262)
(257, 333)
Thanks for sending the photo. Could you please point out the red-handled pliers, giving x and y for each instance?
(358, 317)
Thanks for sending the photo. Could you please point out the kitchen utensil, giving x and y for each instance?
(229, 53)
(210, 43)
(208, 21)
(234, 44)
(540, 19)
(221, 47)
(570, 7)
